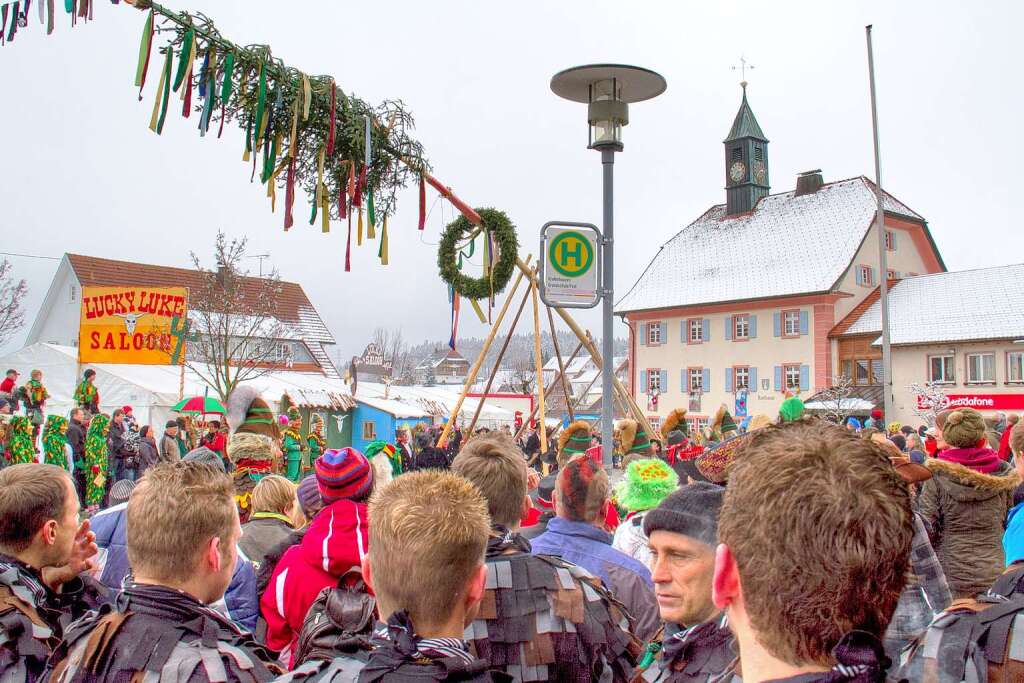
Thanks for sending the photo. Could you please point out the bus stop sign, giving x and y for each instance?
(570, 269)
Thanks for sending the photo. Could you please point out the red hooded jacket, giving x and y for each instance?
(335, 543)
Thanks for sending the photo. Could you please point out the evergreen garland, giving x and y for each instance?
(459, 234)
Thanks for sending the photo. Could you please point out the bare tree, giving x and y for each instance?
(12, 303)
(835, 398)
(524, 375)
(235, 333)
(396, 352)
(929, 400)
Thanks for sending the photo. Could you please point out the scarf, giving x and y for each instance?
(173, 605)
(398, 644)
(859, 659)
(503, 539)
(983, 460)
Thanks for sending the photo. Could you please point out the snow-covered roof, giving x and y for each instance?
(947, 307)
(787, 245)
(421, 401)
(850, 403)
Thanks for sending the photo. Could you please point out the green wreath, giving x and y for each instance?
(504, 231)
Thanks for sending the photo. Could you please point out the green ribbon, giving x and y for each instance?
(167, 91)
(229, 67)
(261, 105)
(69, 6)
(371, 214)
(186, 53)
(144, 47)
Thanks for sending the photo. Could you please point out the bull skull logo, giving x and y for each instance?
(130, 320)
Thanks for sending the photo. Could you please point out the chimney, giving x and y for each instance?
(808, 182)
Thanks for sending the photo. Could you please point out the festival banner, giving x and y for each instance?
(131, 324)
(979, 401)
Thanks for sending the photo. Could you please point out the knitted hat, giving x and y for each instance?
(375, 447)
(690, 511)
(343, 473)
(855, 423)
(876, 414)
(120, 491)
(573, 440)
(964, 428)
(249, 413)
(205, 456)
(894, 427)
(171, 423)
(633, 438)
(294, 415)
(791, 409)
(675, 422)
(316, 422)
(308, 493)
(647, 483)
(250, 446)
(127, 410)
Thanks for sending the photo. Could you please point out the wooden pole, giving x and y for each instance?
(497, 362)
(540, 367)
(533, 413)
(471, 377)
(561, 366)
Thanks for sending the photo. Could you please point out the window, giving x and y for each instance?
(893, 274)
(697, 424)
(655, 423)
(696, 380)
(695, 330)
(791, 323)
(865, 276)
(981, 368)
(741, 377)
(741, 327)
(940, 369)
(791, 376)
(74, 293)
(737, 154)
(1015, 366)
(653, 333)
(654, 381)
(369, 431)
(890, 240)
(758, 154)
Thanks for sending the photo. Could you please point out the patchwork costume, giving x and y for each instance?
(96, 464)
(20, 444)
(688, 655)
(55, 442)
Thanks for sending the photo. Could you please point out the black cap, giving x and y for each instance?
(171, 423)
(691, 510)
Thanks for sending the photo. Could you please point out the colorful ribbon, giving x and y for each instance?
(382, 251)
(330, 134)
(307, 96)
(371, 215)
(145, 47)
(186, 50)
(163, 94)
(423, 203)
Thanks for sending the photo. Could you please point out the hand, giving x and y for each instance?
(83, 550)
(532, 479)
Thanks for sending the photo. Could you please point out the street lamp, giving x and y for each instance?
(607, 90)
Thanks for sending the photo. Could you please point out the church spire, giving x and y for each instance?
(746, 161)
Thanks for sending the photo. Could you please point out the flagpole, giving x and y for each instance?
(883, 267)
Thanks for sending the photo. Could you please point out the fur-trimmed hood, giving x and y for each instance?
(966, 484)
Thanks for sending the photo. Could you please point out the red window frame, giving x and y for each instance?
(785, 368)
(689, 378)
(650, 328)
(735, 319)
(735, 383)
(890, 241)
(782, 323)
(654, 372)
(689, 328)
(868, 275)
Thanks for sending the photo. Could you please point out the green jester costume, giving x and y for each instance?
(55, 441)
(96, 459)
(20, 443)
(293, 445)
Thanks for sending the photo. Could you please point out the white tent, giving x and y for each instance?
(151, 390)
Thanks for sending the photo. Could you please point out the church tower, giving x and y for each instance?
(746, 161)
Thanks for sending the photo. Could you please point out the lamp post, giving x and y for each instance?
(607, 89)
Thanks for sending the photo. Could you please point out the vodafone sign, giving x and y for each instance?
(980, 401)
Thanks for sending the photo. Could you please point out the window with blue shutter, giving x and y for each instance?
(804, 322)
(663, 379)
(753, 326)
(777, 324)
(682, 382)
(644, 387)
(753, 379)
(664, 333)
(706, 379)
(705, 329)
(682, 331)
(805, 378)
(858, 274)
(728, 327)
(778, 378)
(643, 334)
(728, 379)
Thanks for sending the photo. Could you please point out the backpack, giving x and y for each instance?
(339, 620)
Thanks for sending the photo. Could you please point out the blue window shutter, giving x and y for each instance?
(706, 378)
(705, 329)
(897, 274)
(777, 324)
(858, 275)
(682, 331)
(778, 378)
(663, 378)
(805, 378)
(728, 327)
(874, 280)
(892, 239)
(804, 322)
(753, 379)
(642, 389)
(664, 333)
(753, 327)
(682, 382)
(728, 379)
(643, 334)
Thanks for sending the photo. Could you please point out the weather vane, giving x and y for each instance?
(744, 65)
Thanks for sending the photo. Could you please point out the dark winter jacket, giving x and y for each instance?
(240, 602)
(116, 440)
(688, 655)
(966, 511)
(591, 548)
(261, 534)
(147, 454)
(859, 659)
(76, 437)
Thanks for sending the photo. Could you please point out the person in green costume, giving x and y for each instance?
(315, 440)
(55, 441)
(96, 454)
(21, 443)
(293, 445)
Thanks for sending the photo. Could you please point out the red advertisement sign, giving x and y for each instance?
(982, 401)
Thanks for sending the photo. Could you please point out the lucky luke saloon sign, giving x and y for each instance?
(130, 324)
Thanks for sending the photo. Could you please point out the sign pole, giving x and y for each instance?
(607, 294)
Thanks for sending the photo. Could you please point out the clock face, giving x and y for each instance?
(758, 169)
(737, 171)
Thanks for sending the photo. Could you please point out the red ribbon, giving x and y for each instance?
(360, 188)
(423, 203)
(330, 135)
(342, 209)
(186, 108)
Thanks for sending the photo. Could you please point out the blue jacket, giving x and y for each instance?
(240, 603)
(1013, 537)
(591, 548)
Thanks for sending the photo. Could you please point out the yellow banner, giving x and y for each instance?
(131, 324)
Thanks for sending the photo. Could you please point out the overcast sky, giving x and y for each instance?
(83, 173)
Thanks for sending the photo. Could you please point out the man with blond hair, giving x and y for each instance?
(42, 550)
(182, 534)
(814, 543)
(428, 580)
(542, 618)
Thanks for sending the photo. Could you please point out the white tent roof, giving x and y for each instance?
(420, 401)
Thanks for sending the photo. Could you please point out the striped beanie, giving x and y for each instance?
(343, 473)
(121, 490)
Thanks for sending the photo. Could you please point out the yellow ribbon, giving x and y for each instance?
(295, 125)
(156, 102)
(359, 229)
(188, 71)
(325, 212)
(384, 243)
(241, 96)
(479, 311)
(307, 96)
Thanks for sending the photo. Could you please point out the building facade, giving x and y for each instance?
(738, 307)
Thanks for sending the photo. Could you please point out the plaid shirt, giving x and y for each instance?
(925, 595)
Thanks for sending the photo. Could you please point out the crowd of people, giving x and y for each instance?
(782, 548)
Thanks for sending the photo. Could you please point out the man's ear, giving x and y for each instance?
(367, 569)
(48, 532)
(213, 558)
(725, 583)
(475, 588)
(526, 506)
